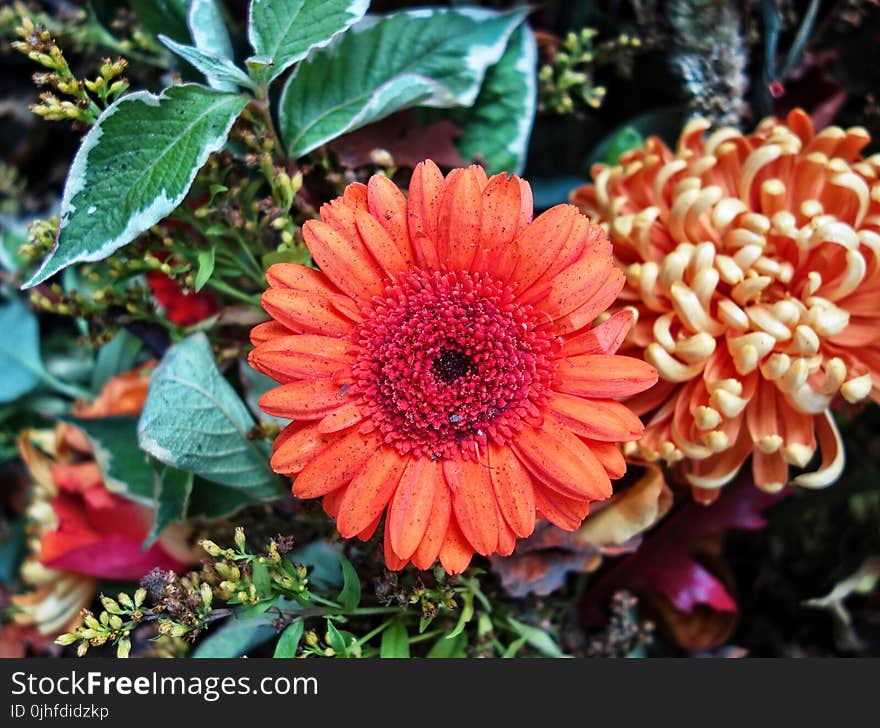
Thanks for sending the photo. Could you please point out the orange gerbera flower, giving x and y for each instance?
(441, 368)
(753, 264)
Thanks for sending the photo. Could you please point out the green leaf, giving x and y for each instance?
(467, 614)
(173, 488)
(395, 641)
(116, 357)
(20, 360)
(323, 562)
(289, 640)
(262, 583)
(194, 420)
(236, 636)
(350, 596)
(206, 268)
(126, 468)
(624, 140)
(514, 647)
(163, 16)
(537, 638)
(13, 234)
(255, 385)
(221, 73)
(207, 28)
(497, 127)
(428, 57)
(12, 551)
(282, 32)
(212, 500)
(336, 639)
(446, 648)
(134, 167)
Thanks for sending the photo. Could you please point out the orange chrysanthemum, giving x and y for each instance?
(441, 369)
(753, 264)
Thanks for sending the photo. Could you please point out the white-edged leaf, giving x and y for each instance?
(220, 72)
(134, 167)
(20, 362)
(193, 420)
(173, 488)
(497, 127)
(282, 32)
(207, 28)
(428, 57)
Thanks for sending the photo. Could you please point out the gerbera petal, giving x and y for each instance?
(605, 376)
(268, 330)
(423, 208)
(506, 537)
(301, 356)
(392, 560)
(604, 338)
(305, 312)
(438, 521)
(342, 418)
(369, 491)
(514, 489)
(461, 209)
(368, 532)
(507, 210)
(382, 246)
(388, 205)
(561, 461)
(336, 465)
(411, 506)
(597, 304)
(344, 259)
(597, 419)
(543, 240)
(297, 446)
(610, 456)
(307, 400)
(455, 553)
(566, 513)
(473, 502)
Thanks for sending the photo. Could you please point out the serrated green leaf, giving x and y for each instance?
(206, 268)
(173, 488)
(194, 420)
(395, 641)
(429, 57)
(448, 648)
(115, 357)
(20, 360)
(282, 32)
(134, 167)
(207, 28)
(350, 596)
(220, 72)
(288, 643)
(236, 636)
(126, 468)
(497, 127)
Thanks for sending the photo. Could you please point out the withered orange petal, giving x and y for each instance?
(302, 356)
(388, 205)
(306, 400)
(603, 376)
(514, 489)
(458, 231)
(411, 505)
(604, 338)
(559, 460)
(456, 552)
(566, 513)
(438, 522)
(369, 491)
(345, 260)
(423, 210)
(597, 419)
(335, 465)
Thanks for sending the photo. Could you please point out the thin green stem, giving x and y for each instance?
(232, 293)
(373, 632)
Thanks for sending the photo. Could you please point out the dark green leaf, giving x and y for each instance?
(350, 596)
(371, 71)
(116, 357)
(173, 488)
(206, 268)
(20, 360)
(453, 647)
(262, 583)
(236, 636)
(395, 641)
(289, 640)
(212, 500)
(337, 639)
(323, 562)
(134, 167)
(163, 16)
(12, 550)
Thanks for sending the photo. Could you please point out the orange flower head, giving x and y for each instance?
(440, 369)
(753, 264)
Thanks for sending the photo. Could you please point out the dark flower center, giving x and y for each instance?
(449, 360)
